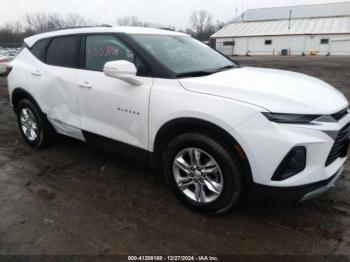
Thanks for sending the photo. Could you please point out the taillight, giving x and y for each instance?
(7, 71)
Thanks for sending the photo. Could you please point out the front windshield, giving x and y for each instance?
(183, 54)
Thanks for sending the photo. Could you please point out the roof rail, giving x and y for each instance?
(77, 27)
(166, 28)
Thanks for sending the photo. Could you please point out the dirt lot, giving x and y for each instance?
(74, 199)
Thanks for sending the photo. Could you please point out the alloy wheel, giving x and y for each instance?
(198, 175)
(28, 124)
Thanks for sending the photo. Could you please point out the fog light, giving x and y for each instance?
(292, 164)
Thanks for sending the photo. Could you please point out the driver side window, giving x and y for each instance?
(101, 49)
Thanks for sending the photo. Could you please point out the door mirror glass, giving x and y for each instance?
(123, 70)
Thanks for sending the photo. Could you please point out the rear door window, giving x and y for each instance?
(62, 51)
(39, 49)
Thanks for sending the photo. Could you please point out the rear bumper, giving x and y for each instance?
(297, 193)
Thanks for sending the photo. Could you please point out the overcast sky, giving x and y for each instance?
(165, 12)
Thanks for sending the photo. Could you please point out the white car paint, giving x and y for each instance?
(271, 143)
(276, 90)
(129, 121)
(30, 41)
(234, 100)
(54, 87)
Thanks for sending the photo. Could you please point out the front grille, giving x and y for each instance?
(340, 115)
(341, 144)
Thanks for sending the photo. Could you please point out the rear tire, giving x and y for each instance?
(33, 124)
(210, 180)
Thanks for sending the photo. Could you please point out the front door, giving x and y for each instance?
(111, 107)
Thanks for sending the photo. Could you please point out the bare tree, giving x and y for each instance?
(129, 21)
(43, 22)
(12, 33)
(35, 23)
(202, 26)
(219, 25)
(135, 21)
(73, 20)
(201, 21)
(159, 26)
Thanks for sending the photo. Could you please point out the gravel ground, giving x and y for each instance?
(74, 199)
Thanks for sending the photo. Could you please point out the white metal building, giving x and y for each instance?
(314, 29)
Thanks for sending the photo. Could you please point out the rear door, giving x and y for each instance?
(110, 107)
(57, 82)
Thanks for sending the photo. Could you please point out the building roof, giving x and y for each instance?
(308, 26)
(30, 41)
(303, 11)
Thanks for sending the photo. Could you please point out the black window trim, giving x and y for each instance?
(157, 70)
(44, 51)
(76, 52)
(80, 54)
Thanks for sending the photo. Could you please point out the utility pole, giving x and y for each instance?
(242, 12)
(290, 19)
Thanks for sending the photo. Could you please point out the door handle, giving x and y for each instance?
(36, 73)
(85, 85)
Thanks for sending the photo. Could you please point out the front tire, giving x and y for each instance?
(33, 125)
(203, 172)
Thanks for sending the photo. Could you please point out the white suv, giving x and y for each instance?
(216, 130)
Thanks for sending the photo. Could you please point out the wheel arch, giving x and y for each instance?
(178, 126)
(18, 94)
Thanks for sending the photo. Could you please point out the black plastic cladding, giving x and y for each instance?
(280, 172)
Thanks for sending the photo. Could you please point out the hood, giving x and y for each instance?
(277, 91)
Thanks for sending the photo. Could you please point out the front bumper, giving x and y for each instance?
(298, 193)
(325, 188)
(267, 143)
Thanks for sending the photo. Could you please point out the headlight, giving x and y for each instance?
(290, 118)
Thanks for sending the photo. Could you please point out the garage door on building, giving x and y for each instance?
(340, 47)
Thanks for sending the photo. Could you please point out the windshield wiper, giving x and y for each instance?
(205, 73)
(194, 74)
(225, 68)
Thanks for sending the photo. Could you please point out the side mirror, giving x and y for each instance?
(123, 70)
